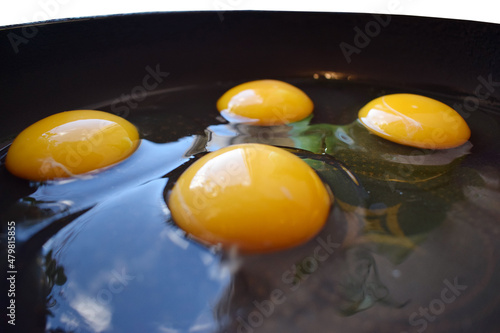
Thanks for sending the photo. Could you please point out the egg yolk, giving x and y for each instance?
(415, 120)
(265, 102)
(71, 143)
(255, 197)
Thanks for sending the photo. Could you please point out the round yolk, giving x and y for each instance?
(256, 197)
(71, 143)
(415, 120)
(265, 102)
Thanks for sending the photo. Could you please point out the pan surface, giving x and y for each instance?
(402, 251)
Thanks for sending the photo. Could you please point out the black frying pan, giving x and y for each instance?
(89, 63)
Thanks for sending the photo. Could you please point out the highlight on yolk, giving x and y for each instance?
(255, 197)
(415, 120)
(71, 143)
(265, 102)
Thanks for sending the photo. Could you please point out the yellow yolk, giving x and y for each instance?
(255, 197)
(265, 102)
(415, 120)
(71, 143)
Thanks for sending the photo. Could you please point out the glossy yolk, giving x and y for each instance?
(415, 120)
(71, 143)
(265, 102)
(255, 197)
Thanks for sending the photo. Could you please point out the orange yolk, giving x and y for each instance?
(415, 120)
(71, 143)
(255, 197)
(265, 102)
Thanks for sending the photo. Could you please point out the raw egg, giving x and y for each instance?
(265, 102)
(255, 197)
(71, 143)
(415, 120)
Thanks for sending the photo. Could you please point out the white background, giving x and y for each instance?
(23, 11)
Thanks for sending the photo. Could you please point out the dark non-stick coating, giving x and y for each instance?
(56, 66)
